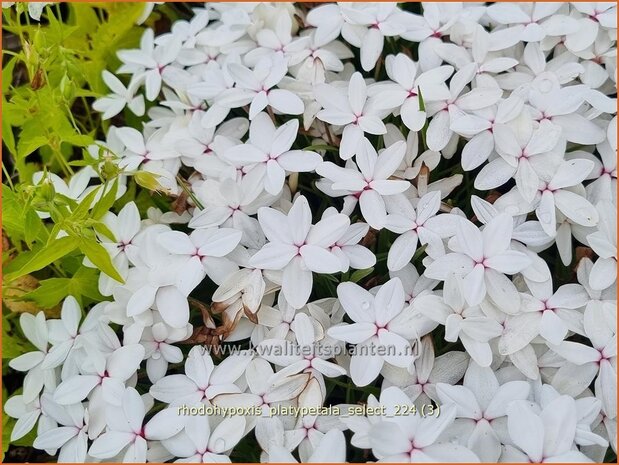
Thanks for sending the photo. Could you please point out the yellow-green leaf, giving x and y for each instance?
(97, 254)
(53, 251)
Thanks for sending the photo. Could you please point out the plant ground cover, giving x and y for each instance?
(371, 231)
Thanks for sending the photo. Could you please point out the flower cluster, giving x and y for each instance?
(428, 188)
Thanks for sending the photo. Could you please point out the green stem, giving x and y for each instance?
(424, 129)
(187, 191)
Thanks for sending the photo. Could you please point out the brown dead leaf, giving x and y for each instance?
(16, 289)
(38, 80)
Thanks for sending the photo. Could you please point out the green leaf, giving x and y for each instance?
(81, 140)
(97, 254)
(7, 73)
(85, 282)
(27, 145)
(327, 148)
(7, 427)
(105, 203)
(49, 293)
(102, 229)
(7, 130)
(53, 251)
(11, 213)
(33, 227)
(81, 211)
(419, 252)
(358, 275)
(13, 343)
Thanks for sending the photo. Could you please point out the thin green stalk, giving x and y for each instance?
(187, 191)
(8, 177)
(424, 129)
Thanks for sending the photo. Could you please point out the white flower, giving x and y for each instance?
(63, 333)
(268, 152)
(381, 322)
(467, 323)
(347, 247)
(35, 330)
(479, 125)
(587, 363)
(482, 258)
(604, 243)
(197, 443)
(368, 181)
(604, 186)
(542, 435)
(304, 355)
(107, 374)
(560, 106)
(413, 224)
(76, 189)
(328, 21)
(444, 111)
(316, 58)
(403, 94)
(203, 248)
(159, 349)
(255, 87)
(122, 96)
(142, 148)
(150, 61)
(276, 42)
(555, 192)
(266, 388)
(232, 203)
(202, 147)
(419, 381)
(71, 436)
(482, 404)
(532, 21)
(544, 312)
(352, 109)
(27, 415)
(125, 226)
(487, 63)
(202, 380)
(377, 21)
(329, 448)
(298, 248)
(525, 160)
(127, 434)
(411, 438)
(163, 280)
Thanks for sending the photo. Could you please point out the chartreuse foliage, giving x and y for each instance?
(51, 71)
